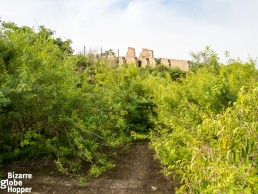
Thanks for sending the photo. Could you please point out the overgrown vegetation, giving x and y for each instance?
(63, 106)
(207, 128)
(75, 110)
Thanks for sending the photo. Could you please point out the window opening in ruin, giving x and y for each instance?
(139, 63)
(148, 61)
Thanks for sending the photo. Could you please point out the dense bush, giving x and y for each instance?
(199, 115)
(175, 74)
(69, 107)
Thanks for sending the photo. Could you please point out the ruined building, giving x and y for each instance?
(146, 58)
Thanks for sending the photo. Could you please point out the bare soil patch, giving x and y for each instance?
(136, 171)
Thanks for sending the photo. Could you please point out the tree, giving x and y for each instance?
(108, 52)
(64, 45)
(205, 59)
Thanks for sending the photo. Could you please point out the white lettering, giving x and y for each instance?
(19, 190)
(10, 183)
(3, 184)
(13, 184)
(17, 183)
(19, 176)
(10, 190)
(28, 190)
(10, 175)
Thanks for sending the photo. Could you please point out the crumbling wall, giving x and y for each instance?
(153, 62)
(181, 64)
(166, 62)
(173, 63)
(144, 62)
(146, 58)
(146, 53)
(110, 60)
(130, 56)
(121, 60)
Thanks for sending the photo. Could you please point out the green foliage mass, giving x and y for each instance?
(76, 110)
(206, 131)
(72, 108)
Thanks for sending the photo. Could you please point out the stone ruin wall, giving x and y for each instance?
(130, 55)
(173, 63)
(146, 58)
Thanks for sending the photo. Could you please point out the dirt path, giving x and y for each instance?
(136, 172)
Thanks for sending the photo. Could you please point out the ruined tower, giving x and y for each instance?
(130, 55)
(147, 58)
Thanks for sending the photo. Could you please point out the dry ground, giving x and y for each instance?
(136, 172)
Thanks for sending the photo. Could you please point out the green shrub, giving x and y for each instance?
(190, 114)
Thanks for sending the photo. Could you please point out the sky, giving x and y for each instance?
(171, 28)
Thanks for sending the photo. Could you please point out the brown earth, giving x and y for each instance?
(136, 172)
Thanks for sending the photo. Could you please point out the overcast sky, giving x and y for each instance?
(172, 28)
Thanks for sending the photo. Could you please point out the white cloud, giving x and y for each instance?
(170, 28)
